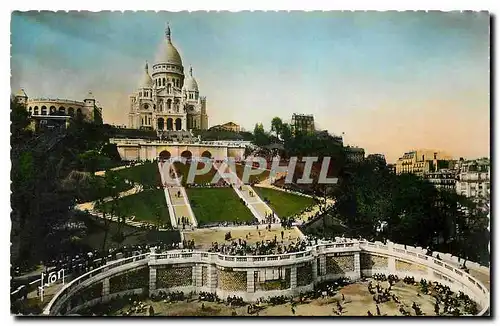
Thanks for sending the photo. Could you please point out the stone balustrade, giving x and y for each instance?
(254, 277)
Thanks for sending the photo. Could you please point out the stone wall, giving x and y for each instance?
(339, 264)
(284, 275)
(304, 274)
(402, 266)
(229, 280)
(204, 276)
(135, 279)
(282, 282)
(370, 261)
(172, 276)
(92, 292)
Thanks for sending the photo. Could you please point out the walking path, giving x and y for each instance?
(256, 205)
(129, 220)
(99, 173)
(177, 200)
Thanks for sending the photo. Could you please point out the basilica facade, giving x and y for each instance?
(168, 98)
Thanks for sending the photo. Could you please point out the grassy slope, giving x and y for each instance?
(252, 178)
(144, 206)
(183, 170)
(146, 174)
(217, 205)
(284, 204)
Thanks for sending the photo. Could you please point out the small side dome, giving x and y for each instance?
(190, 83)
(146, 81)
(21, 93)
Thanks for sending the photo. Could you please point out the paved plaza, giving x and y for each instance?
(358, 301)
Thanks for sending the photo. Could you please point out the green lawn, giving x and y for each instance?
(213, 205)
(264, 174)
(146, 174)
(284, 204)
(183, 170)
(144, 206)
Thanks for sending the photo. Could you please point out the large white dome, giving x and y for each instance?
(167, 52)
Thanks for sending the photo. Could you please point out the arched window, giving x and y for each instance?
(142, 121)
(169, 104)
(62, 110)
(187, 154)
(52, 110)
(206, 154)
(163, 81)
(178, 124)
(165, 155)
(78, 112)
(161, 124)
(35, 112)
(44, 110)
(30, 110)
(71, 112)
(170, 124)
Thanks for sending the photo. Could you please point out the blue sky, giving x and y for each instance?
(391, 81)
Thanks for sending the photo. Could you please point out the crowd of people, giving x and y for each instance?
(221, 183)
(234, 301)
(167, 297)
(208, 296)
(183, 220)
(78, 263)
(232, 223)
(270, 218)
(446, 302)
(240, 247)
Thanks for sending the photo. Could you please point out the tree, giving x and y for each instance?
(277, 126)
(261, 138)
(40, 204)
(415, 211)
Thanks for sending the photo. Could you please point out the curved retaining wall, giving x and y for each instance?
(254, 277)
